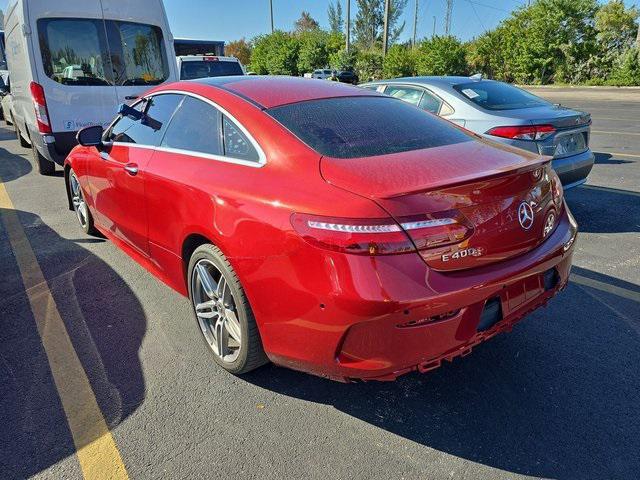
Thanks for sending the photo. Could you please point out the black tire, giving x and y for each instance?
(45, 166)
(251, 355)
(86, 225)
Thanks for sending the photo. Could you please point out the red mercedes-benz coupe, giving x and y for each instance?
(324, 227)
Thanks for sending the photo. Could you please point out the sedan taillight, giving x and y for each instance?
(523, 132)
(382, 236)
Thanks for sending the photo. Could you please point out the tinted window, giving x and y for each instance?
(498, 96)
(236, 144)
(79, 52)
(430, 103)
(74, 51)
(408, 94)
(196, 127)
(137, 53)
(209, 68)
(351, 127)
(150, 129)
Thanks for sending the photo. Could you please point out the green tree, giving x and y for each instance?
(616, 33)
(275, 54)
(341, 60)
(314, 51)
(306, 23)
(399, 62)
(369, 24)
(241, 49)
(334, 12)
(441, 55)
(369, 65)
(626, 72)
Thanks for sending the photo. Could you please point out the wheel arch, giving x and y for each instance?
(67, 169)
(189, 245)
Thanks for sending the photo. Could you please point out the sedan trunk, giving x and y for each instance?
(460, 204)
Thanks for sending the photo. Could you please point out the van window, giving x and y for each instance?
(150, 129)
(74, 51)
(137, 53)
(77, 51)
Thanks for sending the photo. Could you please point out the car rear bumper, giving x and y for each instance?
(573, 170)
(441, 315)
(55, 146)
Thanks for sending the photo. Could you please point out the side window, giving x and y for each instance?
(236, 144)
(195, 127)
(446, 109)
(150, 129)
(74, 51)
(430, 103)
(410, 95)
(370, 87)
(137, 53)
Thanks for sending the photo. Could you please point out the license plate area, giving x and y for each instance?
(570, 143)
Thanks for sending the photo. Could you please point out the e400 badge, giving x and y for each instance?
(467, 252)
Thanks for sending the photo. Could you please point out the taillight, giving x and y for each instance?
(556, 187)
(382, 236)
(523, 132)
(40, 106)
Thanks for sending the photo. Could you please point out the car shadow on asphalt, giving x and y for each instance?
(20, 166)
(609, 159)
(557, 397)
(604, 209)
(105, 323)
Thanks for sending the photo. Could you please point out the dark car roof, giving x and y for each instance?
(274, 91)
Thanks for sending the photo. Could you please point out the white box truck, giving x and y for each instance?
(73, 62)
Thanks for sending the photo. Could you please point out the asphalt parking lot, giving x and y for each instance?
(559, 397)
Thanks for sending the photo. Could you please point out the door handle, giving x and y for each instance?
(131, 168)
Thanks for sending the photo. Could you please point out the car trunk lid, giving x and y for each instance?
(471, 192)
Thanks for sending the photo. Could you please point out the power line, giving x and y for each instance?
(473, 7)
(488, 6)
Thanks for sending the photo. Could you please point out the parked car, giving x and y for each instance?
(322, 73)
(56, 56)
(201, 66)
(6, 101)
(347, 76)
(324, 227)
(505, 114)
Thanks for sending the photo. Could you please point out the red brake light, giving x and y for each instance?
(40, 106)
(381, 236)
(523, 132)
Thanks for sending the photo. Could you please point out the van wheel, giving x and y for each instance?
(45, 166)
(223, 314)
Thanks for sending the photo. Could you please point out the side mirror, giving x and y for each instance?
(90, 136)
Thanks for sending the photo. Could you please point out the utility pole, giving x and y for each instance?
(447, 18)
(348, 25)
(415, 24)
(385, 35)
(638, 38)
(434, 27)
(271, 8)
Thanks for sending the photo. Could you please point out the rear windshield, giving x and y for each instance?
(350, 127)
(78, 51)
(498, 96)
(209, 68)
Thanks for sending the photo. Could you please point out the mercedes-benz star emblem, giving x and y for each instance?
(525, 215)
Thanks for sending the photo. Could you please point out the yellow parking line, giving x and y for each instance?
(618, 154)
(95, 447)
(616, 133)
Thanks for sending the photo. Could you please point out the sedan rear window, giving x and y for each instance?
(350, 127)
(209, 68)
(498, 96)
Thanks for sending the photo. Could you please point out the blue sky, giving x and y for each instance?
(229, 20)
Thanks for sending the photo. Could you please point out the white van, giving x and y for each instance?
(73, 62)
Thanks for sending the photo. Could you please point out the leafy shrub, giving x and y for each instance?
(399, 62)
(441, 56)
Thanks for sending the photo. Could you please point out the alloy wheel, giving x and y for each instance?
(79, 205)
(216, 310)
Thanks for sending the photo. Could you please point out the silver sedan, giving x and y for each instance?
(506, 114)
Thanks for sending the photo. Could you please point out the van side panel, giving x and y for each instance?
(20, 62)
